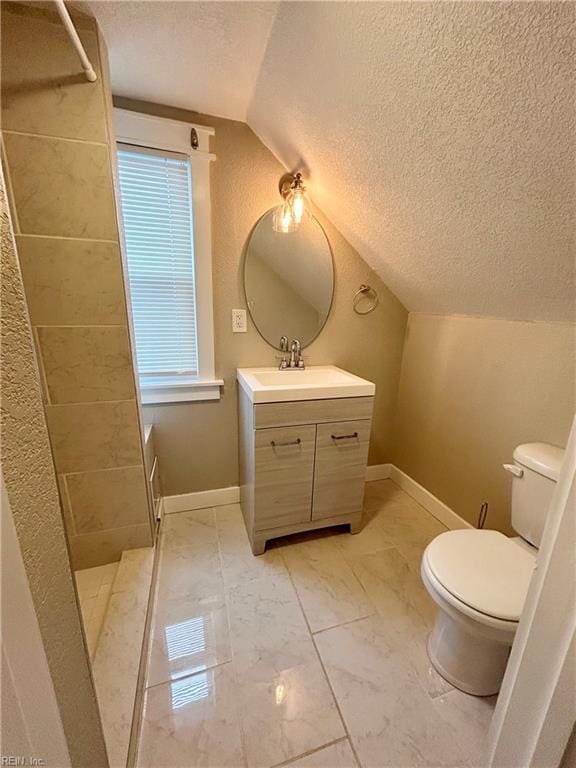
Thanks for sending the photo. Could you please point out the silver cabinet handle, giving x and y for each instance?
(344, 437)
(289, 442)
(513, 469)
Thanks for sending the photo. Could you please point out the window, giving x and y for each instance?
(165, 201)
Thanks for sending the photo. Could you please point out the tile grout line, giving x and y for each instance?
(186, 675)
(344, 726)
(345, 623)
(110, 530)
(105, 469)
(41, 368)
(67, 492)
(54, 138)
(64, 237)
(81, 325)
(310, 752)
(139, 696)
(92, 402)
(232, 659)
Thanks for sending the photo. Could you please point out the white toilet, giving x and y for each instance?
(479, 579)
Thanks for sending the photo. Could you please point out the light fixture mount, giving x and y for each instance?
(288, 182)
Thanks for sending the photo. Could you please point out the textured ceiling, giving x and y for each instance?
(437, 136)
(195, 55)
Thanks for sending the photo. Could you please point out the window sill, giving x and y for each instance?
(179, 391)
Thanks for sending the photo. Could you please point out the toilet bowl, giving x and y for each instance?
(479, 579)
(463, 572)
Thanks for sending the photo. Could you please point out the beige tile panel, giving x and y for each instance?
(109, 498)
(38, 88)
(90, 581)
(407, 611)
(61, 187)
(115, 669)
(91, 549)
(89, 436)
(192, 721)
(329, 592)
(72, 282)
(238, 563)
(83, 364)
(471, 717)
(286, 704)
(135, 571)
(191, 530)
(390, 719)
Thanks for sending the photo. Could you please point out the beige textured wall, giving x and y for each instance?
(57, 151)
(30, 481)
(197, 443)
(471, 389)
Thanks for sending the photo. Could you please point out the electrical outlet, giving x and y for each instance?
(238, 321)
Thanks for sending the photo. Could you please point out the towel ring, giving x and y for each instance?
(361, 293)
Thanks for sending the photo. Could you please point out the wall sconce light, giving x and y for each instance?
(293, 211)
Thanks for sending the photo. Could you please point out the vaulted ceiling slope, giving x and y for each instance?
(439, 137)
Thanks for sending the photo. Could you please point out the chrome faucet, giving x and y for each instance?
(284, 349)
(296, 355)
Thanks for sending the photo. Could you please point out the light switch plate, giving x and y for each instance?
(238, 321)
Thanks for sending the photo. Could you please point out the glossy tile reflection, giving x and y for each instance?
(312, 656)
(192, 722)
(188, 634)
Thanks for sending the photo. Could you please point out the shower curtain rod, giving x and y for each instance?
(71, 29)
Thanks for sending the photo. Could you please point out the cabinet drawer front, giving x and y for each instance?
(341, 457)
(312, 411)
(284, 474)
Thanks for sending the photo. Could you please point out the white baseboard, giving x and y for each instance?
(214, 498)
(441, 511)
(220, 496)
(378, 472)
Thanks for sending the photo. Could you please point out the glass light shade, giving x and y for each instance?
(298, 202)
(283, 219)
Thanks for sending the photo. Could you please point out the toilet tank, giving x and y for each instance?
(535, 470)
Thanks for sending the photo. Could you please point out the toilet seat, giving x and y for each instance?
(484, 574)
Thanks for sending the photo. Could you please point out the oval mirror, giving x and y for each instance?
(288, 280)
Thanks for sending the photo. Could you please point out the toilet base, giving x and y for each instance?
(473, 664)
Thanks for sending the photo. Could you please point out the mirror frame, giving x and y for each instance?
(245, 256)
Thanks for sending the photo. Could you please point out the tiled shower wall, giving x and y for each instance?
(56, 147)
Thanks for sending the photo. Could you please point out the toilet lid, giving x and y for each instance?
(484, 569)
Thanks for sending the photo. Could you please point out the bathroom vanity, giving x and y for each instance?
(304, 437)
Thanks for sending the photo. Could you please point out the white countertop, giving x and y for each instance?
(320, 382)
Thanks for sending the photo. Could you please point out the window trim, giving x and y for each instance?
(169, 135)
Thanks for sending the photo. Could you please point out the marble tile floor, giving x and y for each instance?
(94, 586)
(312, 655)
(116, 662)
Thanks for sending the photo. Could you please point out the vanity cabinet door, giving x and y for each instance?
(283, 476)
(341, 458)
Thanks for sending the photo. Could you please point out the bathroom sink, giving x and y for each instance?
(270, 385)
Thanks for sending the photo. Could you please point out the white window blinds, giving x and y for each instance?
(156, 197)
